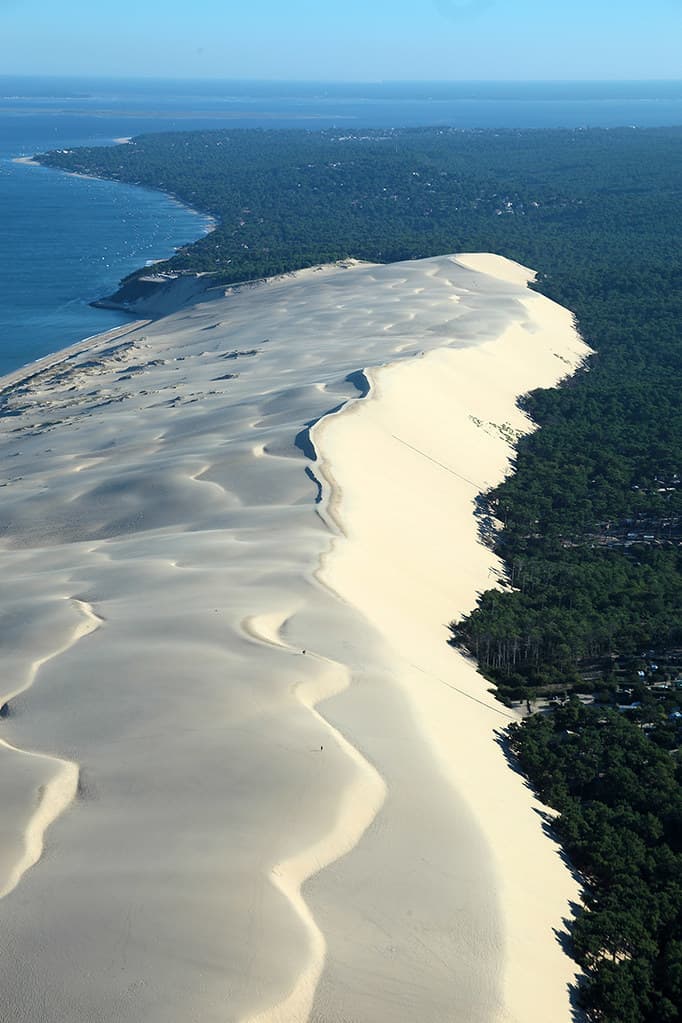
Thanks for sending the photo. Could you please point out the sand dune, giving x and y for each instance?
(227, 605)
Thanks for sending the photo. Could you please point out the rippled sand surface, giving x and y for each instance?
(243, 777)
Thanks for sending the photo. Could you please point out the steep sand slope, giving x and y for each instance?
(406, 464)
(284, 809)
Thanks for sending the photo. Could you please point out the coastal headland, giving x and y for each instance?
(244, 776)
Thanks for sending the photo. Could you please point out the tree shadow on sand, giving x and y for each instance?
(563, 934)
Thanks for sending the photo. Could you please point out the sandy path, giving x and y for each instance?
(289, 802)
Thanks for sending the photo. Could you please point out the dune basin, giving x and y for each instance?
(244, 778)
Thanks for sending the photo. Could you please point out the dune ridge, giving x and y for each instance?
(351, 822)
(450, 454)
(264, 834)
(60, 784)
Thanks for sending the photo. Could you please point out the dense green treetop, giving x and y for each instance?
(619, 798)
(285, 198)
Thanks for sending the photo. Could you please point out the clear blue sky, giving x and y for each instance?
(355, 40)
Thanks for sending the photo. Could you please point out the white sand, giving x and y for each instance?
(406, 465)
(65, 355)
(262, 833)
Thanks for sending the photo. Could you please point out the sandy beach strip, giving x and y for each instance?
(48, 362)
(226, 611)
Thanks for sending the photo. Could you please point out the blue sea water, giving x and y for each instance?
(66, 240)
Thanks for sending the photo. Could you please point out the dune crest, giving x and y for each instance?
(266, 834)
(357, 809)
(405, 466)
(58, 778)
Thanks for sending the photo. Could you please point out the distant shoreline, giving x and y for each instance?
(209, 223)
(209, 218)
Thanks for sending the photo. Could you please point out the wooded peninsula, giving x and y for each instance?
(588, 628)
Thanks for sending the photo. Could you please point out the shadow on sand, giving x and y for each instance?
(562, 934)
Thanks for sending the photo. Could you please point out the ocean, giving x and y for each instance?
(67, 241)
